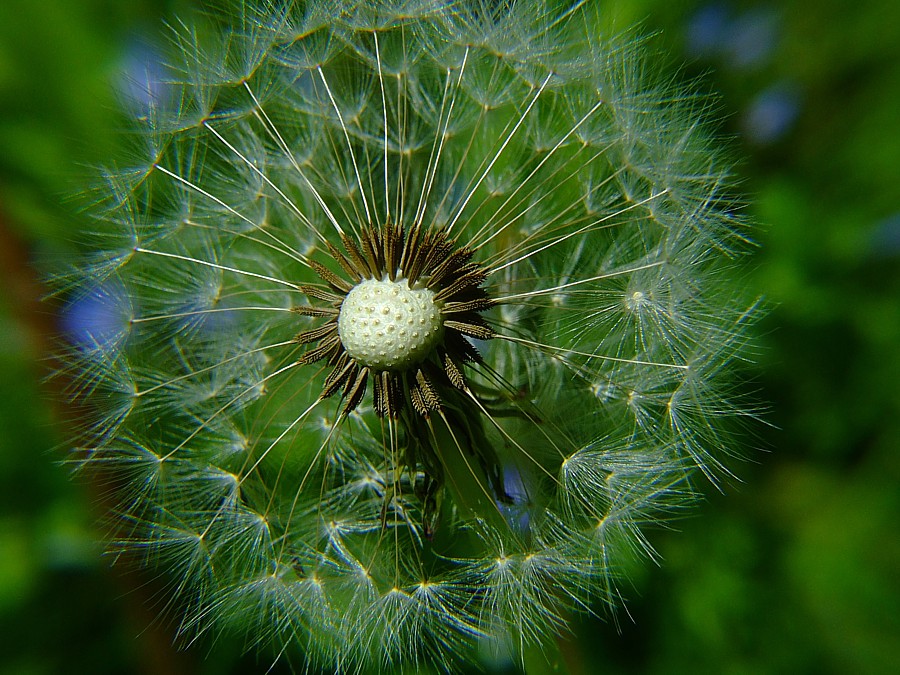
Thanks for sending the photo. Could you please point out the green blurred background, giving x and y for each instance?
(794, 570)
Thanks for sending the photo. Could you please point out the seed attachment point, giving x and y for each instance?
(388, 325)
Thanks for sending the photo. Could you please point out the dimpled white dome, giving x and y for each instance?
(386, 325)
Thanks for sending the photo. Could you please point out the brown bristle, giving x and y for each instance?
(321, 294)
(315, 334)
(330, 277)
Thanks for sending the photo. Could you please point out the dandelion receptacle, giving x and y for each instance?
(399, 322)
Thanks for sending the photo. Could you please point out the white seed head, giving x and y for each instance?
(386, 325)
(392, 509)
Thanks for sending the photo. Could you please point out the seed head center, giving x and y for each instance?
(386, 325)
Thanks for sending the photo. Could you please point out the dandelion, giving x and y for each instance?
(414, 316)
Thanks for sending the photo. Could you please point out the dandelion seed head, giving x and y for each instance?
(386, 325)
(402, 322)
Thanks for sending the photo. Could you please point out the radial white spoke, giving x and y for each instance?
(451, 185)
(499, 152)
(272, 130)
(431, 172)
(200, 190)
(564, 16)
(362, 191)
(508, 437)
(553, 477)
(462, 455)
(402, 129)
(214, 310)
(539, 424)
(396, 496)
(287, 523)
(387, 192)
(471, 142)
(534, 171)
(345, 203)
(459, 167)
(268, 244)
(200, 371)
(544, 347)
(556, 289)
(231, 210)
(392, 453)
(224, 268)
(437, 142)
(581, 230)
(245, 473)
(227, 405)
(268, 182)
(371, 175)
(549, 226)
